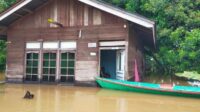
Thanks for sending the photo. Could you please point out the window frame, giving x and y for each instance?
(68, 49)
(38, 65)
(49, 66)
(32, 42)
(44, 42)
(60, 66)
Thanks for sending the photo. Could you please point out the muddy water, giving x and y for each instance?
(52, 98)
(2, 76)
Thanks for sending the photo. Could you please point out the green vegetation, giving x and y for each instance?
(178, 33)
(3, 5)
(189, 75)
(2, 55)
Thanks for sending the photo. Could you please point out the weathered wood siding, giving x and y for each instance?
(68, 13)
(94, 24)
(135, 51)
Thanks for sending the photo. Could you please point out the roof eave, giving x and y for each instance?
(13, 9)
(120, 13)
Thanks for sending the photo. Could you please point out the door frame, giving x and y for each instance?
(25, 64)
(119, 53)
(59, 71)
(111, 48)
(57, 63)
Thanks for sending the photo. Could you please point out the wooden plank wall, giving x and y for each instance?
(68, 13)
(135, 51)
(15, 55)
(94, 24)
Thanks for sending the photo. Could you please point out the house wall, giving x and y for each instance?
(95, 25)
(135, 52)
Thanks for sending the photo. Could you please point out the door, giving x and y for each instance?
(67, 67)
(120, 65)
(32, 60)
(49, 66)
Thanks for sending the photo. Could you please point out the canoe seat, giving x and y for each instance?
(166, 86)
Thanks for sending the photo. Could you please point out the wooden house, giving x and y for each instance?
(73, 41)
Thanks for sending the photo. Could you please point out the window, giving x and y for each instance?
(50, 45)
(32, 66)
(67, 67)
(49, 67)
(33, 45)
(68, 45)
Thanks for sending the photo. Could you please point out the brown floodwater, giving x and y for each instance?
(57, 98)
(2, 76)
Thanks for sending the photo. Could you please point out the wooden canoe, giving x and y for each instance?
(162, 89)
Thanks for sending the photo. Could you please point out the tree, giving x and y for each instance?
(3, 5)
(178, 32)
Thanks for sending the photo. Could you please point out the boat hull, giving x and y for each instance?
(104, 83)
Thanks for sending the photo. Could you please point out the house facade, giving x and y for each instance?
(73, 41)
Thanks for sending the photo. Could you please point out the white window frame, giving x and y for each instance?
(51, 45)
(68, 45)
(112, 43)
(33, 45)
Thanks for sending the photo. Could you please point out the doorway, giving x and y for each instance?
(112, 64)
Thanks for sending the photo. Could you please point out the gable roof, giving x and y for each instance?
(135, 18)
(25, 7)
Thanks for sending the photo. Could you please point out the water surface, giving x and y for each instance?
(56, 98)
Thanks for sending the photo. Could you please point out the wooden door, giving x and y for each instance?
(120, 64)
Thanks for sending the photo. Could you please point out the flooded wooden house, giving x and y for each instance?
(72, 41)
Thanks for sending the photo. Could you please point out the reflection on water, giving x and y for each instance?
(165, 79)
(52, 98)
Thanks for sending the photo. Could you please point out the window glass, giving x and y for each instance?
(45, 71)
(71, 56)
(67, 67)
(71, 71)
(29, 56)
(46, 56)
(64, 56)
(35, 55)
(52, 63)
(34, 70)
(63, 63)
(52, 55)
(35, 63)
(49, 67)
(46, 63)
(63, 71)
(71, 64)
(28, 70)
(52, 71)
(32, 66)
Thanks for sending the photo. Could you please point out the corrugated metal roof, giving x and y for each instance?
(7, 19)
